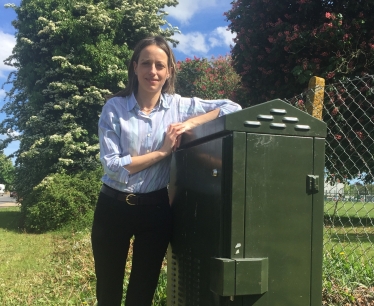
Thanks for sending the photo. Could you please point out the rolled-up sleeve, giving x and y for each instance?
(191, 107)
(110, 151)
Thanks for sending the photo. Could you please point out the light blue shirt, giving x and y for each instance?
(125, 131)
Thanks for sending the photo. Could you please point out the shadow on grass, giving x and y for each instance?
(348, 221)
(10, 219)
(352, 237)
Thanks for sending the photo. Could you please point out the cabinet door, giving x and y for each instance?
(197, 196)
(278, 216)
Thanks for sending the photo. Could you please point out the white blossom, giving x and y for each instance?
(26, 40)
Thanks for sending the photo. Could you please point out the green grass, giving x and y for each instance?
(349, 228)
(348, 269)
(363, 210)
(54, 268)
(20, 253)
(347, 280)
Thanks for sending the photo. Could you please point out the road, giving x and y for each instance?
(7, 201)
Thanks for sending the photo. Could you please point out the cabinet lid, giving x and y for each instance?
(273, 117)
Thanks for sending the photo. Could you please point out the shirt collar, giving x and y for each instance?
(165, 100)
(132, 103)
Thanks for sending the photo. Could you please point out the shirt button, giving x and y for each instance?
(147, 151)
(149, 135)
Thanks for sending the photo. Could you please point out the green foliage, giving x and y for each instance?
(281, 44)
(61, 199)
(68, 57)
(7, 171)
(345, 279)
(214, 79)
(160, 297)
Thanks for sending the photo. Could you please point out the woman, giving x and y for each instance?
(138, 130)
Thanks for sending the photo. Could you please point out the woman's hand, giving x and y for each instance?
(186, 127)
(194, 122)
(141, 162)
(172, 137)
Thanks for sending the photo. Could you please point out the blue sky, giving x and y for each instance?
(201, 22)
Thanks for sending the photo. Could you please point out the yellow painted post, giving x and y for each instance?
(315, 97)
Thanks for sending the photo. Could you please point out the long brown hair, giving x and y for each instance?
(132, 83)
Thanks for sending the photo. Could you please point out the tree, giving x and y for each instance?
(281, 44)
(6, 170)
(68, 56)
(214, 79)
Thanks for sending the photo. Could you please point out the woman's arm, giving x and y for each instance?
(190, 108)
(139, 163)
(201, 119)
(171, 142)
(196, 121)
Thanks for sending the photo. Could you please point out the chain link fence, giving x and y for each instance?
(347, 107)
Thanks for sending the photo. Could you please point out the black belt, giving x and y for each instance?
(150, 198)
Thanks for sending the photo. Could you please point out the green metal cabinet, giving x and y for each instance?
(247, 197)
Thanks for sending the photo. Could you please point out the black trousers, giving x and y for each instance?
(114, 224)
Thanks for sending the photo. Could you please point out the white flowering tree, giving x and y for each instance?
(68, 56)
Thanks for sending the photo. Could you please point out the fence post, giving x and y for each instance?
(315, 97)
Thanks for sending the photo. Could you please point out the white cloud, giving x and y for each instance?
(221, 37)
(8, 42)
(12, 133)
(200, 44)
(192, 43)
(184, 11)
(2, 94)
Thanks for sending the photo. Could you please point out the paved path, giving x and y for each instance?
(7, 201)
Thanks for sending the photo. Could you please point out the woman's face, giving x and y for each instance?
(152, 69)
